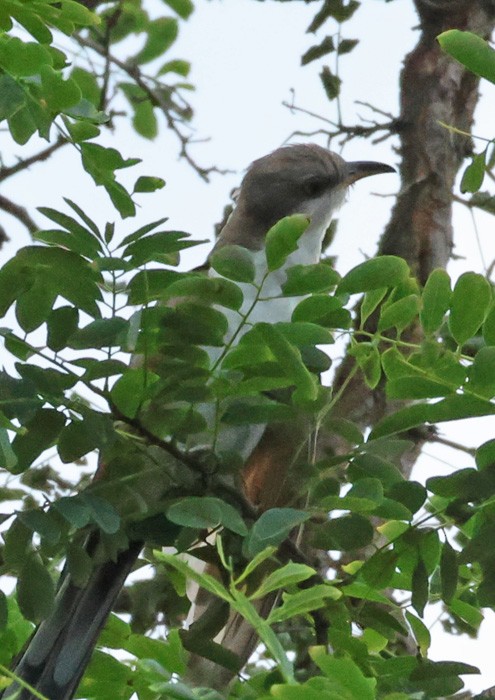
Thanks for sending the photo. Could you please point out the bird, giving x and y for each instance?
(305, 179)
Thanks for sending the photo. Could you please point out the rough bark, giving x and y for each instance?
(434, 89)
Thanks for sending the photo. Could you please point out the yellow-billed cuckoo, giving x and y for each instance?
(305, 179)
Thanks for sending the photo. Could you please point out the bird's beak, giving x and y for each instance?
(364, 168)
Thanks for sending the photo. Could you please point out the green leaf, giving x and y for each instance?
(347, 678)
(41, 433)
(245, 413)
(473, 176)
(49, 382)
(87, 84)
(315, 52)
(371, 465)
(145, 183)
(206, 512)
(365, 495)
(301, 334)
(157, 247)
(485, 455)
(411, 494)
(288, 575)
(149, 285)
(22, 59)
(129, 391)
(82, 215)
(101, 163)
(12, 97)
(272, 528)
(82, 131)
(420, 587)
(489, 327)
(452, 408)
(177, 66)
(4, 611)
(441, 669)
(79, 564)
(205, 580)
(368, 359)
(102, 513)
(346, 533)
(449, 572)
(101, 333)
(191, 323)
(374, 274)
(43, 523)
(470, 614)
(208, 290)
(50, 271)
(482, 373)
(8, 458)
(59, 94)
(35, 590)
(379, 569)
(470, 302)
(308, 279)
(470, 50)
(78, 14)
(169, 654)
(436, 300)
(371, 302)
(83, 241)
(324, 310)
(399, 314)
(162, 33)
(184, 8)
(74, 510)
(303, 602)
(80, 437)
(331, 83)
(420, 631)
(24, 123)
(234, 263)
(282, 239)
(146, 124)
(290, 362)
(61, 324)
(346, 46)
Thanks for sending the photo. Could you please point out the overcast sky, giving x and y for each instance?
(246, 59)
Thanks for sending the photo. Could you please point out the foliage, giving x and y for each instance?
(42, 88)
(87, 301)
(96, 324)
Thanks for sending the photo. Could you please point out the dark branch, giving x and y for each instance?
(18, 212)
(157, 99)
(7, 172)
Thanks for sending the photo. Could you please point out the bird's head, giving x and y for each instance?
(303, 179)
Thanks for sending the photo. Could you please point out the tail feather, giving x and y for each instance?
(58, 653)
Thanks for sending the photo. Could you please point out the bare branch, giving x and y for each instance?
(157, 99)
(7, 172)
(18, 212)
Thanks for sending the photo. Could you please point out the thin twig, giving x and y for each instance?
(157, 100)
(18, 212)
(6, 172)
(454, 445)
(354, 130)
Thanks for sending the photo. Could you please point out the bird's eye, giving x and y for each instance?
(314, 187)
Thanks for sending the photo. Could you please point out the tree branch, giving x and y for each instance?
(7, 172)
(18, 212)
(157, 99)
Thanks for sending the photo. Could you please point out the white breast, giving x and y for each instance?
(272, 307)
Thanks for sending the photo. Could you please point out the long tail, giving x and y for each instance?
(60, 649)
